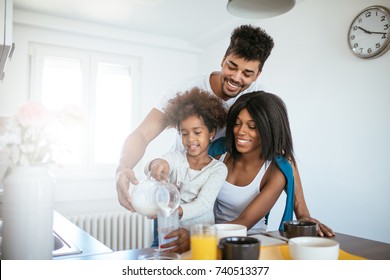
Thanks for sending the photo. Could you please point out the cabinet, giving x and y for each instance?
(6, 26)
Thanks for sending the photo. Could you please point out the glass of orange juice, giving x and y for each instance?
(203, 242)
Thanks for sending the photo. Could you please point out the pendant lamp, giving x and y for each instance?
(258, 9)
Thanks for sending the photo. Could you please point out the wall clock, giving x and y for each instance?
(369, 33)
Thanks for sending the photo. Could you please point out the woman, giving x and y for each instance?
(257, 136)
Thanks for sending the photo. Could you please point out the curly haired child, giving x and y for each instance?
(197, 115)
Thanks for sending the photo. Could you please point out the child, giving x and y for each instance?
(197, 115)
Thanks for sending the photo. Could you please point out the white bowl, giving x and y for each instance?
(227, 230)
(313, 248)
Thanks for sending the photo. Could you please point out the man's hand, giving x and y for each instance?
(133, 150)
(125, 176)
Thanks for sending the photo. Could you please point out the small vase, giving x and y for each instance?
(28, 214)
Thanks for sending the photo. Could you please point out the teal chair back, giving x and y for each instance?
(288, 173)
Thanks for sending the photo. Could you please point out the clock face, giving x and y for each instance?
(369, 33)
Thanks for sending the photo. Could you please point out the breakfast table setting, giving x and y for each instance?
(273, 245)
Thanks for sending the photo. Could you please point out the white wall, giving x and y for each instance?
(339, 112)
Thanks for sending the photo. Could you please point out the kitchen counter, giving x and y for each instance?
(74, 241)
(74, 235)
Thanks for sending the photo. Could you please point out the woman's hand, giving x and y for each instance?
(322, 229)
(181, 244)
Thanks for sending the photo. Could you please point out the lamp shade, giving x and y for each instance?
(257, 9)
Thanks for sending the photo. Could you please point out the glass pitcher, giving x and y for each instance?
(151, 196)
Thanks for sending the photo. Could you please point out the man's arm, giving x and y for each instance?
(133, 149)
(300, 207)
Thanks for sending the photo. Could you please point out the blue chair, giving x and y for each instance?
(217, 147)
(288, 172)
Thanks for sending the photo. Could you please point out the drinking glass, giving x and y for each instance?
(166, 224)
(203, 242)
(168, 200)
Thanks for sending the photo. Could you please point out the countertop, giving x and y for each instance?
(85, 245)
(71, 233)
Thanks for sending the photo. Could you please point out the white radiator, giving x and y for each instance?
(118, 230)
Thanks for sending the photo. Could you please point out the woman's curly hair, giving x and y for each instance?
(196, 102)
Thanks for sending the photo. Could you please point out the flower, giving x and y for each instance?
(32, 137)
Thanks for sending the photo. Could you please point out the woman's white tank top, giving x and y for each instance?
(232, 200)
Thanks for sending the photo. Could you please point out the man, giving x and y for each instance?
(242, 64)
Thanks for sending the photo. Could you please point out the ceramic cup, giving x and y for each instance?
(226, 230)
(299, 228)
(313, 248)
(239, 248)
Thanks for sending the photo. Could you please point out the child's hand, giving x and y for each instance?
(159, 169)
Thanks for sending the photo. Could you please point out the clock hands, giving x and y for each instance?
(371, 32)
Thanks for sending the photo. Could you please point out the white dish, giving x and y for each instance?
(267, 240)
(313, 248)
(226, 230)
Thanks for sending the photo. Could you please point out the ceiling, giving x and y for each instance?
(191, 21)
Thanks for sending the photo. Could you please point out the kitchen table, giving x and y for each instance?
(359, 246)
(366, 248)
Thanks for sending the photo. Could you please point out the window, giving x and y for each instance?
(103, 86)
